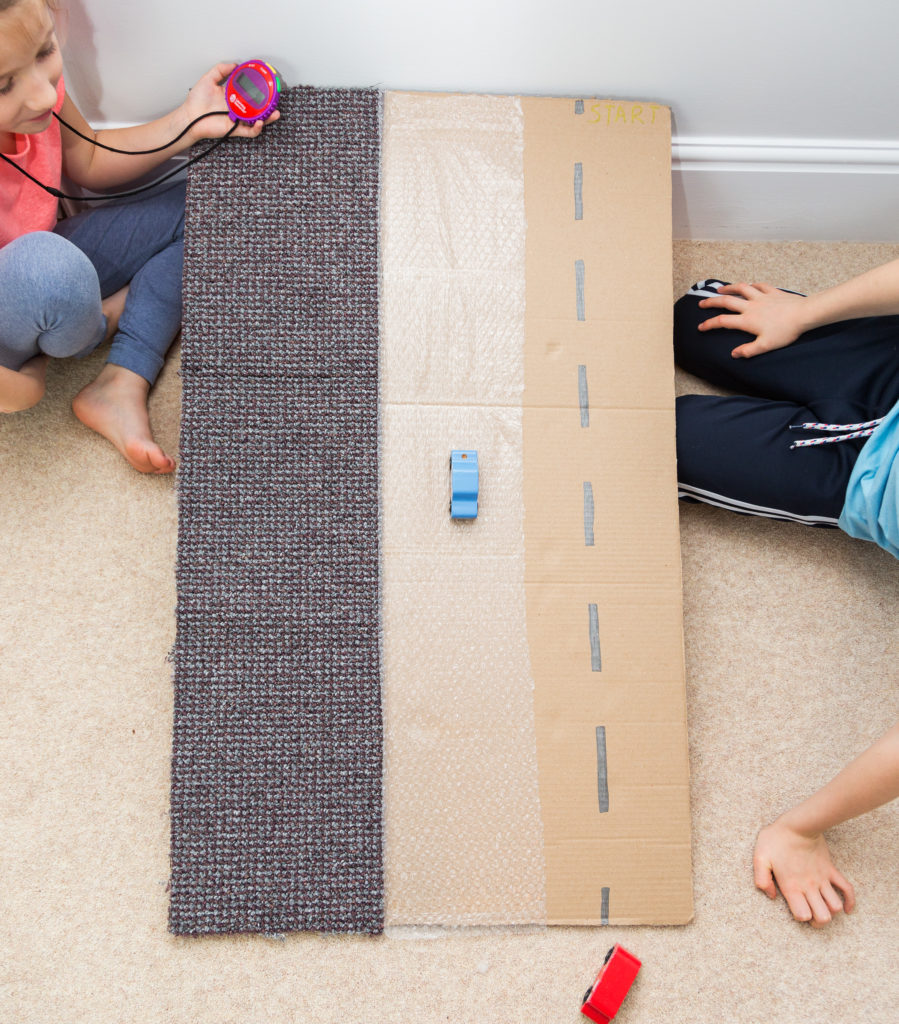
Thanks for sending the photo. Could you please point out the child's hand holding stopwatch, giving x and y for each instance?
(208, 96)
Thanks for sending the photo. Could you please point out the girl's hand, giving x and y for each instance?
(207, 96)
(801, 866)
(775, 317)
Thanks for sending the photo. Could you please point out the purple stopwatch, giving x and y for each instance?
(252, 91)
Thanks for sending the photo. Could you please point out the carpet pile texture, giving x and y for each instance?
(276, 763)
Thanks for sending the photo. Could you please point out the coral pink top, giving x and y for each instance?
(23, 206)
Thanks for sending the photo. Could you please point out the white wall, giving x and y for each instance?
(784, 110)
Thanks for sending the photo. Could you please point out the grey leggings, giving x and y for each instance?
(52, 283)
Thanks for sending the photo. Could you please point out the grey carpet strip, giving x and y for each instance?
(276, 765)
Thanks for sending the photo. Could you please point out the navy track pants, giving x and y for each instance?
(735, 451)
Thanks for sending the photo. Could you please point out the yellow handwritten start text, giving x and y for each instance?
(619, 113)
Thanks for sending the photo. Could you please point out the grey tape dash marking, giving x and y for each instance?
(579, 106)
(604, 908)
(578, 191)
(579, 289)
(583, 395)
(589, 514)
(602, 770)
(595, 653)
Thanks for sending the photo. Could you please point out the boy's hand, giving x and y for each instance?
(775, 317)
(801, 866)
(209, 95)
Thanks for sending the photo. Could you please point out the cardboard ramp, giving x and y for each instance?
(531, 662)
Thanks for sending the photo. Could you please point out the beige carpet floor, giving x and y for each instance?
(791, 669)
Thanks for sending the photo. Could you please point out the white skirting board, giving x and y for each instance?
(785, 189)
(778, 189)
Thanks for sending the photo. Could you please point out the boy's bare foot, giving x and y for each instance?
(115, 405)
(801, 866)
(113, 307)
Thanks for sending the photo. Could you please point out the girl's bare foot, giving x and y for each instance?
(113, 307)
(115, 405)
(23, 388)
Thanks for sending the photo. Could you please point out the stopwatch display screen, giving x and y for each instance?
(250, 88)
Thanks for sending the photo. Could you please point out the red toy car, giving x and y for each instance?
(615, 978)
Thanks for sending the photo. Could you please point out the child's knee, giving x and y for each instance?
(688, 315)
(52, 270)
(55, 289)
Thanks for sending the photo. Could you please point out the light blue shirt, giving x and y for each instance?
(871, 508)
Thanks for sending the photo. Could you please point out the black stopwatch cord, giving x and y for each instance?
(139, 152)
(134, 191)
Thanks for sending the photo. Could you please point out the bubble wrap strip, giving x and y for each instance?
(277, 752)
(464, 834)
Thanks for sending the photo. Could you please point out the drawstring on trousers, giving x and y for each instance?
(853, 430)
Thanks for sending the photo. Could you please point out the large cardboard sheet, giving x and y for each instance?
(536, 758)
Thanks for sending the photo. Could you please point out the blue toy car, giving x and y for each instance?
(464, 474)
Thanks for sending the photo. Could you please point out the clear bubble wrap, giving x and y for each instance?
(463, 832)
